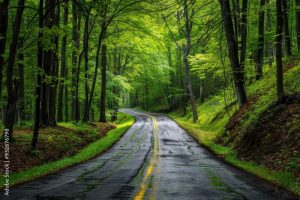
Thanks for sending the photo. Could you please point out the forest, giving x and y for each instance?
(227, 71)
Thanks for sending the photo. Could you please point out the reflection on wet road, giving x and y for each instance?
(155, 159)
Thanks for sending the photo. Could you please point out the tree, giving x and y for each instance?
(20, 82)
(63, 69)
(237, 71)
(103, 78)
(11, 95)
(86, 57)
(287, 37)
(279, 30)
(54, 66)
(50, 62)
(186, 52)
(75, 72)
(236, 18)
(90, 99)
(297, 2)
(269, 44)
(261, 32)
(3, 31)
(244, 28)
(38, 87)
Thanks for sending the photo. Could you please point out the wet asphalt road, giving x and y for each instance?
(155, 159)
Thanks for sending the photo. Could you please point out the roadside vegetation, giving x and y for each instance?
(262, 136)
(62, 147)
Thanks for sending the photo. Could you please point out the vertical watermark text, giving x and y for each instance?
(6, 162)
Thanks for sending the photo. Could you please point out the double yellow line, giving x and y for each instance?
(146, 180)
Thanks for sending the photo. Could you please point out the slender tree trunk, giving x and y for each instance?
(3, 32)
(45, 94)
(268, 40)
(66, 103)
(103, 85)
(63, 68)
(297, 2)
(54, 70)
(90, 100)
(244, 33)
(169, 95)
(180, 81)
(21, 106)
(48, 58)
(261, 32)
(188, 46)
(86, 57)
(279, 30)
(77, 103)
(236, 18)
(288, 46)
(74, 61)
(38, 89)
(237, 71)
(11, 97)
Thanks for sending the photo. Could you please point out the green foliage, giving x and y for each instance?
(80, 127)
(49, 35)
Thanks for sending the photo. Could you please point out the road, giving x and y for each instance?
(155, 159)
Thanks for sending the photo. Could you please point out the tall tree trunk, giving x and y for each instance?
(3, 32)
(236, 18)
(66, 102)
(103, 85)
(49, 21)
(244, 26)
(90, 100)
(54, 70)
(86, 62)
(77, 103)
(21, 105)
(279, 30)
(297, 2)
(261, 32)
(74, 61)
(11, 97)
(237, 71)
(63, 68)
(269, 44)
(288, 46)
(187, 48)
(179, 72)
(38, 89)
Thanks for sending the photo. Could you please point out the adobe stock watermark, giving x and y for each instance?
(6, 162)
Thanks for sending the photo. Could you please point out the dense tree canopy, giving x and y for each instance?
(79, 60)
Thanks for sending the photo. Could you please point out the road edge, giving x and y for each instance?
(19, 178)
(276, 186)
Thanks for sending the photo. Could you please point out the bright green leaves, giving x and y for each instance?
(48, 37)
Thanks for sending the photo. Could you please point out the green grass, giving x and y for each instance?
(213, 118)
(79, 127)
(284, 179)
(123, 124)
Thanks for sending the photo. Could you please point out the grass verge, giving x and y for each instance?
(206, 139)
(123, 124)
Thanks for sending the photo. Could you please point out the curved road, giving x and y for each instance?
(155, 159)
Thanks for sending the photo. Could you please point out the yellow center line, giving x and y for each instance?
(157, 178)
(146, 180)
